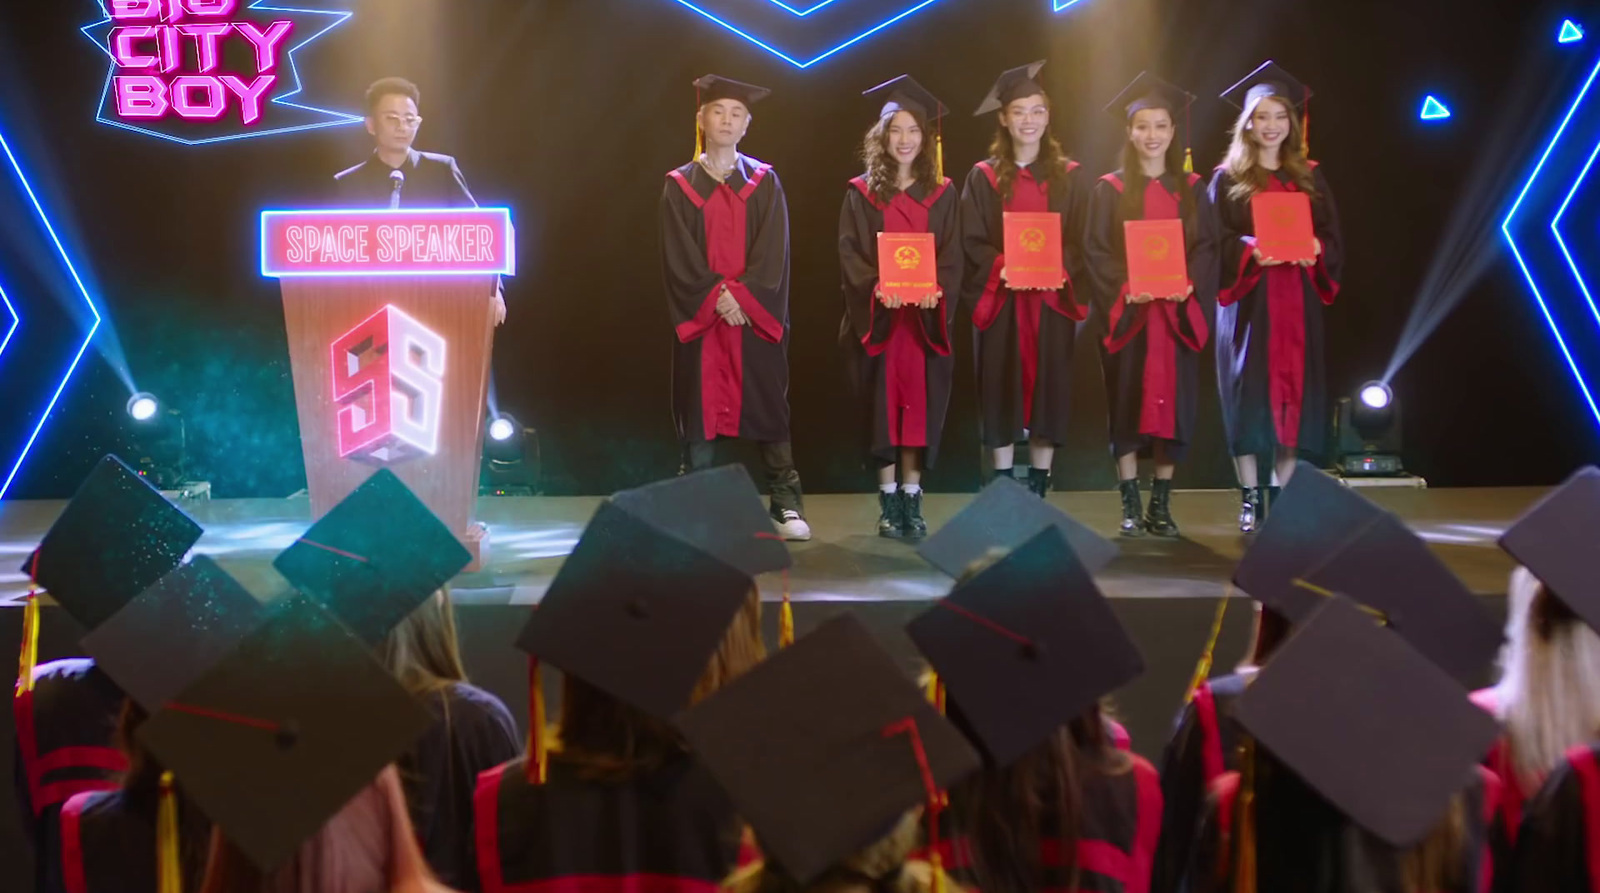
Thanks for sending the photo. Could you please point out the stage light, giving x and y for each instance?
(501, 429)
(1434, 110)
(510, 459)
(1367, 430)
(1570, 32)
(142, 407)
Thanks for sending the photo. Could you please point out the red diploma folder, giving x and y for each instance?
(908, 266)
(1033, 250)
(1156, 265)
(1283, 226)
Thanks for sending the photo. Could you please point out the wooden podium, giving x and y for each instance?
(390, 320)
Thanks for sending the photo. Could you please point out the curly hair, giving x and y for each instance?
(883, 171)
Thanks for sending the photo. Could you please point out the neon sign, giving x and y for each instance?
(199, 71)
(402, 242)
(388, 381)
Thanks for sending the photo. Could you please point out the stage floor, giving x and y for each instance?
(846, 561)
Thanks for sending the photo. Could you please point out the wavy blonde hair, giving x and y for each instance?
(1242, 161)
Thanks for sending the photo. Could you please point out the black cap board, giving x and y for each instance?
(1149, 92)
(1270, 79)
(718, 511)
(1013, 84)
(1004, 516)
(905, 93)
(713, 87)
(1554, 537)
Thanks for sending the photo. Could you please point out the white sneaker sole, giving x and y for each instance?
(794, 531)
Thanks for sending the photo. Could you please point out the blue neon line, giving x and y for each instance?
(774, 51)
(15, 321)
(865, 34)
(88, 337)
(1504, 226)
(797, 12)
(785, 56)
(1560, 342)
(1060, 5)
(1555, 228)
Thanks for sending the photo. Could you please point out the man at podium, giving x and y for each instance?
(398, 176)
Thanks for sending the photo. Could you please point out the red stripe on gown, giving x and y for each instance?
(1584, 765)
(1029, 195)
(1286, 347)
(905, 351)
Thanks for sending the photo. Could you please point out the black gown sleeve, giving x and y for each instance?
(460, 195)
(1551, 850)
(1183, 791)
(858, 261)
(981, 237)
(1074, 223)
(944, 220)
(1104, 258)
(1235, 239)
(686, 273)
(766, 273)
(1329, 269)
(1205, 248)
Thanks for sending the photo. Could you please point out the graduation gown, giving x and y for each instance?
(1558, 847)
(472, 732)
(1153, 363)
(432, 181)
(673, 831)
(900, 359)
(1024, 339)
(107, 844)
(1204, 746)
(727, 381)
(1305, 845)
(1119, 825)
(1513, 796)
(1271, 369)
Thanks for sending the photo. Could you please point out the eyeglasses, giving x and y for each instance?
(394, 120)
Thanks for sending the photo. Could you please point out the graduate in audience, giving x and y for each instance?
(1027, 647)
(1548, 696)
(618, 799)
(899, 351)
(1153, 341)
(1270, 334)
(832, 754)
(1024, 337)
(1555, 848)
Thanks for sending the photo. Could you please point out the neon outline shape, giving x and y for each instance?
(729, 26)
(509, 269)
(15, 321)
(1433, 109)
(1571, 32)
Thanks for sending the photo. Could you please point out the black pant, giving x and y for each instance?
(783, 481)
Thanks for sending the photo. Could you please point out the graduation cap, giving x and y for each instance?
(1011, 86)
(636, 612)
(1270, 79)
(1004, 516)
(904, 93)
(1149, 92)
(174, 632)
(1025, 646)
(822, 747)
(712, 87)
(375, 557)
(284, 730)
(718, 511)
(1370, 724)
(1322, 538)
(117, 536)
(1554, 539)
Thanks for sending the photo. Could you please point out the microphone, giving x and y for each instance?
(398, 178)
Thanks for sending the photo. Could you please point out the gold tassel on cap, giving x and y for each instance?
(537, 767)
(785, 621)
(29, 656)
(1244, 847)
(169, 871)
(1202, 670)
(1188, 160)
(938, 154)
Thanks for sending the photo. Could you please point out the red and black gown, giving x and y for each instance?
(107, 844)
(671, 831)
(65, 731)
(1204, 746)
(1153, 367)
(1513, 794)
(900, 360)
(1558, 848)
(727, 381)
(1305, 845)
(1024, 339)
(1270, 334)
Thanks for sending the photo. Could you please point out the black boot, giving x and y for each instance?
(1132, 509)
(1251, 511)
(1006, 473)
(891, 514)
(911, 523)
(1268, 500)
(1159, 518)
(1039, 481)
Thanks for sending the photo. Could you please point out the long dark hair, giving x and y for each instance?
(1134, 182)
(1006, 813)
(1052, 161)
(883, 171)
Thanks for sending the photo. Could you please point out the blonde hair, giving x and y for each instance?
(880, 866)
(422, 650)
(1243, 159)
(1548, 696)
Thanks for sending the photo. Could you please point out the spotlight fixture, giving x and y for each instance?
(160, 447)
(143, 406)
(510, 459)
(1367, 428)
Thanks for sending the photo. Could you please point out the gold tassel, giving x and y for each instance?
(1188, 160)
(29, 656)
(1202, 670)
(537, 768)
(699, 142)
(938, 156)
(785, 621)
(937, 862)
(169, 872)
(1244, 848)
(935, 691)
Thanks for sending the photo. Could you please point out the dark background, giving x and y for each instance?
(570, 112)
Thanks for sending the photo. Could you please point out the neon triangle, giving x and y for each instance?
(1434, 110)
(1570, 32)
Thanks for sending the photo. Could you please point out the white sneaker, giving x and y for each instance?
(792, 527)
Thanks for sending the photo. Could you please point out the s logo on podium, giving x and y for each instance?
(388, 382)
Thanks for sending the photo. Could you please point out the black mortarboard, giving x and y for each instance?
(1553, 539)
(282, 732)
(116, 537)
(904, 92)
(1149, 92)
(375, 557)
(1004, 516)
(824, 745)
(174, 632)
(1011, 86)
(711, 88)
(1313, 515)
(1025, 646)
(1268, 80)
(635, 612)
(1374, 727)
(718, 511)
